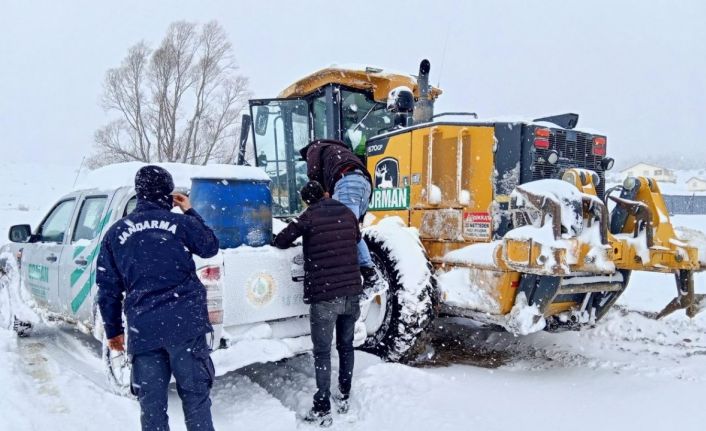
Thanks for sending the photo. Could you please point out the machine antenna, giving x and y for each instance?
(80, 166)
(443, 57)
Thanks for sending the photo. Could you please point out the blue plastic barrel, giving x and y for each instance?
(239, 211)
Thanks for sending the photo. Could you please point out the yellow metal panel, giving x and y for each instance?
(458, 159)
(559, 307)
(668, 253)
(461, 157)
(507, 290)
(399, 149)
(437, 249)
(519, 252)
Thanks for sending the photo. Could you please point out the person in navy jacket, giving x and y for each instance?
(146, 271)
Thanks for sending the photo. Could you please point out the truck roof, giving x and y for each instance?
(123, 174)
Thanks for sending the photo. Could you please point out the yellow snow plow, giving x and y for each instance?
(512, 214)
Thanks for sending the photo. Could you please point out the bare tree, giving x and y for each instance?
(180, 102)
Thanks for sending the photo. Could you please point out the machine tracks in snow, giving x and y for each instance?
(626, 341)
(35, 364)
(51, 351)
(55, 354)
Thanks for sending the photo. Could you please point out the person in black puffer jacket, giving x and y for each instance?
(345, 178)
(332, 285)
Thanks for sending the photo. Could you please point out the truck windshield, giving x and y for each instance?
(281, 129)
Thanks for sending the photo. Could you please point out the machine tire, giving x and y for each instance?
(402, 335)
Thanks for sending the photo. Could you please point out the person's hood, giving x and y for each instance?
(154, 184)
(322, 142)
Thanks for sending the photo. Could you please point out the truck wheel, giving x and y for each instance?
(9, 280)
(6, 315)
(396, 320)
(118, 369)
(117, 365)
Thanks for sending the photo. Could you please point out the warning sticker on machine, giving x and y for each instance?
(477, 225)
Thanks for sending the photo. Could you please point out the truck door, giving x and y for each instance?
(41, 256)
(281, 129)
(77, 269)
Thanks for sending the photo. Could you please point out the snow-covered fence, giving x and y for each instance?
(683, 204)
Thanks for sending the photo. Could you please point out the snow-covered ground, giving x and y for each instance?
(628, 373)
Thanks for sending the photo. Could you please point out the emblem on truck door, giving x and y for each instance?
(260, 289)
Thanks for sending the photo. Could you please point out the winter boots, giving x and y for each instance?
(319, 417)
(342, 402)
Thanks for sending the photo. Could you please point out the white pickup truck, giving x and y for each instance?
(254, 293)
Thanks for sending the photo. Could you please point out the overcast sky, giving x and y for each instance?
(635, 70)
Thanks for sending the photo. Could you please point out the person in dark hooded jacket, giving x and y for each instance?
(332, 286)
(345, 178)
(146, 270)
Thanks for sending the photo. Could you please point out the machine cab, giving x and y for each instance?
(350, 105)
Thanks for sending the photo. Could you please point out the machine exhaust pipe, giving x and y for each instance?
(424, 108)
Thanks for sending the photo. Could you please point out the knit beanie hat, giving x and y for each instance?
(154, 184)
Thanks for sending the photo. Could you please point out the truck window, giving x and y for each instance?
(89, 218)
(130, 207)
(54, 226)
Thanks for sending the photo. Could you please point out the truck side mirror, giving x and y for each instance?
(245, 124)
(262, 160)
(261, 117)
(20, 233)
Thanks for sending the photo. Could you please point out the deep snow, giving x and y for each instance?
(628, 373)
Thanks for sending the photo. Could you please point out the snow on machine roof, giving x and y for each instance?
(370, 78)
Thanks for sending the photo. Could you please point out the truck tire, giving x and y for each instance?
(9, 281)
(116, 365)
(408, 310)
(6, 315)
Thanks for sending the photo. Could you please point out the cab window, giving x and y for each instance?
(89, 217)
(362, 118)
(57, 222)
(319, 108)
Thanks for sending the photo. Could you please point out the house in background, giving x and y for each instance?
(696, 184)
(659, 173)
